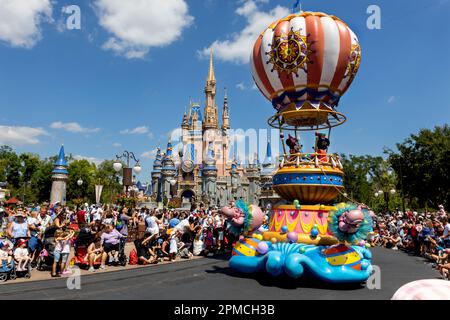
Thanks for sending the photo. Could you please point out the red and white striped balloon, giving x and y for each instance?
(307, 56)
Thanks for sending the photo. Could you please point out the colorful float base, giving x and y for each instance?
(334, 264)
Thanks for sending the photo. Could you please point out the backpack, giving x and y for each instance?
(133, 258)
(119, 225)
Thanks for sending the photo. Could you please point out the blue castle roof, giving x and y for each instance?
(61, 161)
(60, 166)
(268, 159)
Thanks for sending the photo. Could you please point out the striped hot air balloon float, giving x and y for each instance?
(303, 64)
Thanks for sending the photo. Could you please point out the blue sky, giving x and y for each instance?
(106, 88)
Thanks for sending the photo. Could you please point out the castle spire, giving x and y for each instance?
(211, 120)
(225, 113)
(268, 160)
(211, 75)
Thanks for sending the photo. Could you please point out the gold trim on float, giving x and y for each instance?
(318, 207)
(302, 238)
(292, 169)
(333, 119)
(306, 185)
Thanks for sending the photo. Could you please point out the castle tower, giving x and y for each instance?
(185, 122)
(235, 181)
(211, 114)
(253, 176)
(168, 171)
(225, 114)
(60, 175)
(209, 176)
(266, 180)
(157, 176)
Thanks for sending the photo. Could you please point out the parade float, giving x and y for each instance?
(303, 64)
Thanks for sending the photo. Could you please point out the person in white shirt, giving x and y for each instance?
(21, 255)
(44, 220)
(152, 224)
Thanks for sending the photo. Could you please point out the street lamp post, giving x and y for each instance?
(127, 172)
(386, 194)
(80, 183)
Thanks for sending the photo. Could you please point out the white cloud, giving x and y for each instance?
(73, 127)
(239, 47)
(97, 161)
(150, 154)
(137, 130)
(241, 86)
(20, 21)
(11, 135)
(136, 26)
(392, 99)
(116, 145)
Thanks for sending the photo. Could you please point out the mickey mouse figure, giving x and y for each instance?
(322, 144)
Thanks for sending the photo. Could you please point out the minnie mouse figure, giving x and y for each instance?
(294, 147)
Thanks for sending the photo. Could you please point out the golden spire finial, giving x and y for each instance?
(211, 76)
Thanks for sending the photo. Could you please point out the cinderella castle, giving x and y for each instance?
(204, 169)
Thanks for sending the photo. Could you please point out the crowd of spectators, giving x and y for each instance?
(425, 234)
(156, 235)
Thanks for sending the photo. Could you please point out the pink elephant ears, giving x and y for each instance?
(257, 217)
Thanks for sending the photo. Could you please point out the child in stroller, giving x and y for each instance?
(7, 265)
(22, 255)
(22, 258)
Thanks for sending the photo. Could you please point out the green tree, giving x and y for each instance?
(10, 167)
(86, 171)
(41, 182)
(110, 179)
(421, 162)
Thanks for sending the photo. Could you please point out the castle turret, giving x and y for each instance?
(157, 176)
(268, 195)
(225, 113)
(185, 122)
(253, 176)
(60, 175)
(168, 171)
(209, 176)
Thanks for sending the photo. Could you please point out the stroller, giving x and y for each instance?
(122, 257)
(46, 257)
(84, 239)
(7, 271)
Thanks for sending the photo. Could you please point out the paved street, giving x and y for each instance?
(212, 279)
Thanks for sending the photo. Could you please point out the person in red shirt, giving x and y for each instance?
(81, 216)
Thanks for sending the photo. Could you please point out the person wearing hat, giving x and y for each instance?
(5, 255)
(22, 255)
(19, 227)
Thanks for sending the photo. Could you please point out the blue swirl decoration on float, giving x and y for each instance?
(335, 264)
